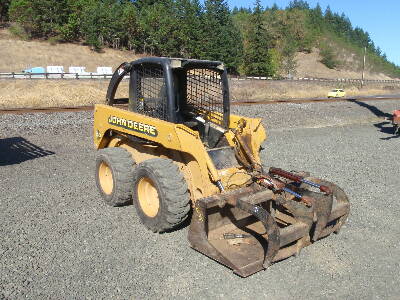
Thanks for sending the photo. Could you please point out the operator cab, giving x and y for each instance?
(184, 91)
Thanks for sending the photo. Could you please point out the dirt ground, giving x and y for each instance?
(59, 240)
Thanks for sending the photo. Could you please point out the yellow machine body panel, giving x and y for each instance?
(114, 126)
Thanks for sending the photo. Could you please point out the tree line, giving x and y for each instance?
(258, 41)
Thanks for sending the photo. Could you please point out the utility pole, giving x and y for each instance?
(363, 71)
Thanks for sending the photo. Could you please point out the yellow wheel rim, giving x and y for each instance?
(106, 178)
(148, 197)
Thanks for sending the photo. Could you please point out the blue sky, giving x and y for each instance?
(380, 18)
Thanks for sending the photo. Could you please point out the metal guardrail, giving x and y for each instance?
(14, 75)
(314, 79)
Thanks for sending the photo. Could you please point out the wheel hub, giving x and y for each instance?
(148, 197)
(106, 178)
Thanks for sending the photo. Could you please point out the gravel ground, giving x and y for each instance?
(58, 239)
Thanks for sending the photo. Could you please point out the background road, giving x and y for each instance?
(59, 240)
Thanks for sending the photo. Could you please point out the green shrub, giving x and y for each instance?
(329, 58)
(54, 40)
(19, 32)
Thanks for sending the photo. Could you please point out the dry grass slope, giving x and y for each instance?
(17, 55)
(273, 90)
(54, 93)
(309, 65)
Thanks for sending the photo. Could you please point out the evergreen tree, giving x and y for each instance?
(189, 14)
(101, 24)
(318, 11)
(345, 25)
(222, 40)
(4, 5)
(328, 15)
(316, 17)
(133, 33)
(40, 18)
(142, 3)
(161, 29)
(71, 30)
(378, 51)
(274, 7)
(257, 60)
(298, 4)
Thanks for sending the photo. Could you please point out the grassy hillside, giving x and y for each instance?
(298, 28)
(258, 41)
(22, 54)
(310, 65)
(349, 57)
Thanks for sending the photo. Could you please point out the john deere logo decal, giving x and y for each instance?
(133, 125)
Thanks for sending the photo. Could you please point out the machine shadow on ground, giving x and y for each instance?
(376, 111)
(16, 150)
(385, 126)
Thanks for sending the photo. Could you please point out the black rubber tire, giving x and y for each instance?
(122, 167)
(396, 129)
(173, 194)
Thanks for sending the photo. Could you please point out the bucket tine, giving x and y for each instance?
(323, 208)
(271, 229)
(342, 199)
(198, 235)
(328, 209)
(303, 214)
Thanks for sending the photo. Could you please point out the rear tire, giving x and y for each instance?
(114, 175)
(160, 194)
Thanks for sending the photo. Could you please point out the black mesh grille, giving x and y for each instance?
(151, 92)
(204, 94)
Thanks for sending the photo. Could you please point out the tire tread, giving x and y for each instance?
(123, 167)
(173, 186)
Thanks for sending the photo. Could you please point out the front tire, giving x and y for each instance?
(114, 175)
(160, 194)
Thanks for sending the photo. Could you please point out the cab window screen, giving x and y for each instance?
(151, 96)
(205, 95)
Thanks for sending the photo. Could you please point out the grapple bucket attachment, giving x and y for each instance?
(269, 226)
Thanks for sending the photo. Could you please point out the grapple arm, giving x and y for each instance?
(274, 224)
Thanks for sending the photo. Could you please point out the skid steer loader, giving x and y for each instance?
(176, 151)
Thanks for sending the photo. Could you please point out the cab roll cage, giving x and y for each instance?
(201, 84)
